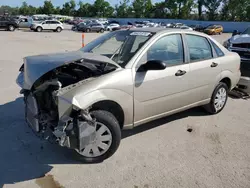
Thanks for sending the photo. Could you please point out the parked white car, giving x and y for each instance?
(186, 27)
(53, 25)
(111, 26)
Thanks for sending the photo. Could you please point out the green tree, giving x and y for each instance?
(142, 8)
(160, 10)
(84, 9)
(122, 9)
(235, 10)
(139, 9)
(66, 9)
(32, 10)
(171, 9)
(48, 7)
(57, 10)
(148, 9)
(184, 8)
(24, 9)
(212, 7)
(10, 10)
(102, 8)
(200, 6)
(72, 7)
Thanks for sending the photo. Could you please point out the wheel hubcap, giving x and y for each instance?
(220, 99)
(101, 144)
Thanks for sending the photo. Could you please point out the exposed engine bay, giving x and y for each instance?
(74, 130)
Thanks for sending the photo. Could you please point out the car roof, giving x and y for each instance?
(160, 30)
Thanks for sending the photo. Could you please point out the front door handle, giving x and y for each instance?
(214, 64)
(180, 73)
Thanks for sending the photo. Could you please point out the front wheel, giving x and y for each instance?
(218, 100)
(39, 29)
(11, 28)
(107, 141)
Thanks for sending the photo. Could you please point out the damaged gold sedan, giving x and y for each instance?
(83, 99)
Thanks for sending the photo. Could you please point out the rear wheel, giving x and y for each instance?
(87, 30)
(218, 100)
(102, 30)
(11, 28)
(59, 29)
(39, 29)
(107, 141)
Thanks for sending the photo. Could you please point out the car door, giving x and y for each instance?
(46, 25)
(94, 27)
(3, 22)
(23, 23)
(204, 66)
(54, 25)
(157, 92)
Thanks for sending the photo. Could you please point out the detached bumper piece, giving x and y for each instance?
(243, 88)
(244, 84)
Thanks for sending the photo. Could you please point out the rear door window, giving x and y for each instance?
(199, 48)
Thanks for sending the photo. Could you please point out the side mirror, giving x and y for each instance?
(152, 65)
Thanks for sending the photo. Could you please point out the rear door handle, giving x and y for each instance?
(180, 73)
(214, 64)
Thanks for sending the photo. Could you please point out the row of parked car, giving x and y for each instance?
(11, 24)
(97, 25)
(100, 26)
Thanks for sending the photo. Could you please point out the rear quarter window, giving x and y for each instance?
(218, 51)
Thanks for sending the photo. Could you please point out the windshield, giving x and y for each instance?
(247, 31)
(120, 46)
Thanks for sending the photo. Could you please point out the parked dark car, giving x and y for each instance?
(78, 26)
(92, 27)
(197, 27)
(240, 43)
(8, 23)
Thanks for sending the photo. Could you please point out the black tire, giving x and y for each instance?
(59, 29)
(102, 30)
(11, 28)
(112, 124)
(39, 29)
(210, 108)
(87, 30)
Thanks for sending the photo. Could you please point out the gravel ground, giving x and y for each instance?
(159, 154)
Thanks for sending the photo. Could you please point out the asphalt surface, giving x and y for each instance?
(190, 149)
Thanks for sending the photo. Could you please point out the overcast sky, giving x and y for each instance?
(55, 2)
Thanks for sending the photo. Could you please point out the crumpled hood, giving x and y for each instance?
(37, 66)
(237, 39)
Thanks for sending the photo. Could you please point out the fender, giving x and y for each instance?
(124, 99)
(234, 77)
